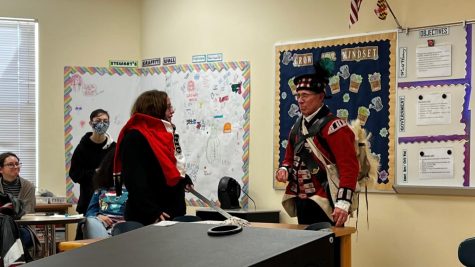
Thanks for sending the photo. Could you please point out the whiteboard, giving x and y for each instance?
(211, 101)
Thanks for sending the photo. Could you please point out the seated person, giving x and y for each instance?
(105, 208)
(12, 183)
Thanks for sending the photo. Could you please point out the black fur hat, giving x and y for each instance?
(318, 80)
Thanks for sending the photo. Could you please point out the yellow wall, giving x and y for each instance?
(72, 33)
(405, 230)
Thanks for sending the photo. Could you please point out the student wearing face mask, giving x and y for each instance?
(87, 157)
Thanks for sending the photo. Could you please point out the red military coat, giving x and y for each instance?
(340, 150)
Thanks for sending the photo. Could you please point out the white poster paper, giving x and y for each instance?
(434, 109)
(211, 101)
(434, 61)
(436, 163)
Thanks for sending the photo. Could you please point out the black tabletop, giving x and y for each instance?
(188, 244)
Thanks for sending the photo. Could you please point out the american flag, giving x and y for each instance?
(355, 7)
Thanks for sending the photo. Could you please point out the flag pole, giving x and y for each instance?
(392, 13)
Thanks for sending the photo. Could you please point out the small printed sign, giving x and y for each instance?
(402, 114)
(151, 62)
(434, 109)
(198, 58)
(360, 53)
(427, 33)
(402, 62)
(169, 60)
(214, 57)
(434, 61)
(405, 163)
(436, 162)
(123, 63)
(301, 60)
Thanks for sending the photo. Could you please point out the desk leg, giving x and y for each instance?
(53, 238)
(50, 239)
(345, 251)
(46, 241)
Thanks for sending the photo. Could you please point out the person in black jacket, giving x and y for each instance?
(150, 161)
(87, 157)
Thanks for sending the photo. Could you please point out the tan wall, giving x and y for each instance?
(405, 230)
(72, 33)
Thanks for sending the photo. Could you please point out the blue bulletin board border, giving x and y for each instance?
(363, 86)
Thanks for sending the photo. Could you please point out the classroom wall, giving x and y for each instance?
(404, 230)
(72, 33)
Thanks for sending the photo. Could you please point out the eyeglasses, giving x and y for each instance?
(13, 165)
(303, 96)
(170, 107)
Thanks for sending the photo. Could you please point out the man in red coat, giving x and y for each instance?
(307, 194)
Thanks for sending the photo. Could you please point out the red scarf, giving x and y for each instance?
(160, 141)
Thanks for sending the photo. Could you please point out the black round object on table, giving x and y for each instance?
(224, 230)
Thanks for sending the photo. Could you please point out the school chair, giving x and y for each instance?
(466, 252)
(123, 227)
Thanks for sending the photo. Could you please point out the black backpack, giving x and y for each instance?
(11, 249)
(11, 206)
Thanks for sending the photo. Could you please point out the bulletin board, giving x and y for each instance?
(211, 101)
(362, 86)
(434, 110)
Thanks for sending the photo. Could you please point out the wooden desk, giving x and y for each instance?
(58, 208)
(69, 245)
(48, 209)
(50, 227)
(343, 233)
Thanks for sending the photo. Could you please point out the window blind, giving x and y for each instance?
(18, 93)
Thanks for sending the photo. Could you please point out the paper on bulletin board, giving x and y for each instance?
(434, 109)
(412, 124)
(436, 163)
(211, 104)
(441, 169)
(434, 61)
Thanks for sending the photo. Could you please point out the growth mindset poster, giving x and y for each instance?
(361, 86)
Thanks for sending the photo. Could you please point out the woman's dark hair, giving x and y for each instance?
(103, 178)
(5, 155)
(152, 103)
(98, 112)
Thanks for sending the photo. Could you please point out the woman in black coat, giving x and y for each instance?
(150, 162)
